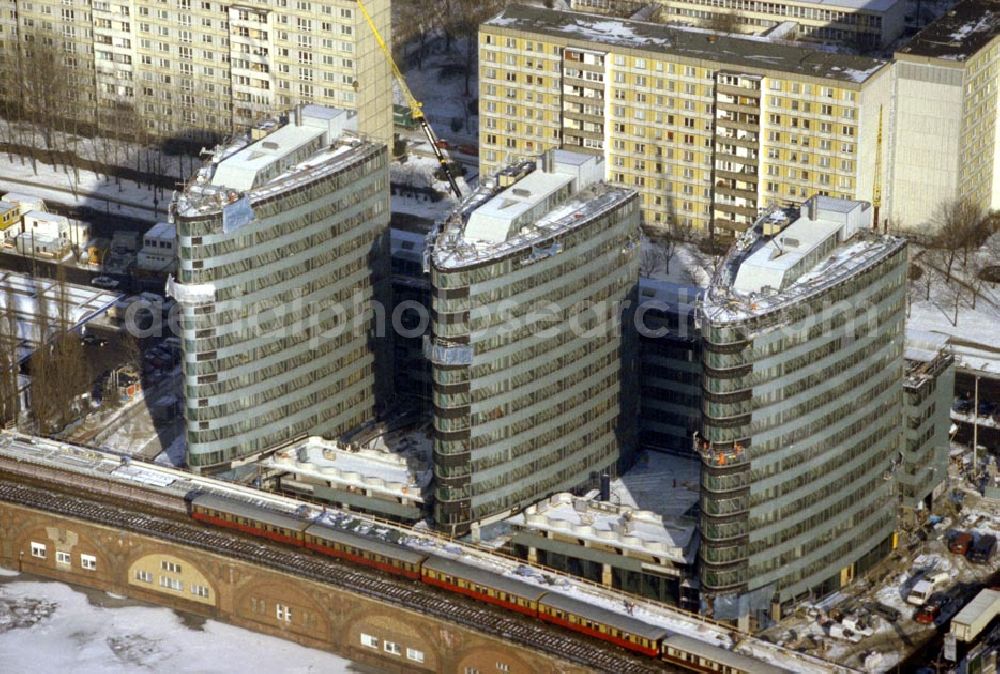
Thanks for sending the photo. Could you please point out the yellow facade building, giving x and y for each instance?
(198, 68)
(709, 128)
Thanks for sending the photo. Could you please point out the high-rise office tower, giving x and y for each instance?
(802, 407)
(532, 374)
(281, 246)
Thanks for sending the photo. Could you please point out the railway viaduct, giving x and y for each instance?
(288, 594)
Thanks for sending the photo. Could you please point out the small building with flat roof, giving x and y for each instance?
(928, 387)
(643, 539)
(390, 484)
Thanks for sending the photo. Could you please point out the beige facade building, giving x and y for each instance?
(197, 68)
(861, 23)
(708, 128)
(945, 85)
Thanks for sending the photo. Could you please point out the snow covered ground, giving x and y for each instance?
(82, 188)
(947, 308)
(52, 627)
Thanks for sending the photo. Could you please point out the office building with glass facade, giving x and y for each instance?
(281, 246)
(802, 351)
(532, 372)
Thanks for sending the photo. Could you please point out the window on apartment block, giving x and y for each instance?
(170, 566)
(62, 558)
(88, 562)
(199, 591)
(144, 576)
(368, 641)
(38, 550)
(283, 612)
(393, 648)
(414, 655)
(171, 583)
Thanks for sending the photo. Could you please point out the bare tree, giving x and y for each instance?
(59, 370)
(985, 259)
(724, 22)
(471, 13)
(651, 258)
(955, 224)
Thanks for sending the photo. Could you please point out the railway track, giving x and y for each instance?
(382, 588)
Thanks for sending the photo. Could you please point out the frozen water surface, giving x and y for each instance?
(52, 627)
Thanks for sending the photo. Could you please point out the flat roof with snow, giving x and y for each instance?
(525, 207)
(30, 294)
(162, 230)
(380, 472)
(828, 241)
(742, 52)
(240, 171)
(22, 199)
(495, 220)
(959, 33)
(317, 140)
(651, 510)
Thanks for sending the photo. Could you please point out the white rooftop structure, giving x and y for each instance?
(162, 231)
(501, 216)
(259, 162)
(308, 143)
(378, 473)
(774, 264)
(523, 206)
(27, 202)
(810, 249)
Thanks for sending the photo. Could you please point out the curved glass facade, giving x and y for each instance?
(531, 370)
(802, 416)
(277, 311)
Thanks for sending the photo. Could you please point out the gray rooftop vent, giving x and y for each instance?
(789, 242)
(521, 192)
(270, 145)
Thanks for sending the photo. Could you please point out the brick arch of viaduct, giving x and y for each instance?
(242, 594)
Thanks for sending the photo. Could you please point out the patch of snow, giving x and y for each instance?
(85, 639)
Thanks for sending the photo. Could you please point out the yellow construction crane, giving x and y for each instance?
(416, 107)
(877, 185)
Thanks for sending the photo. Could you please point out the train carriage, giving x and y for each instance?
(483, 585)
(248, 518)
(698, 656)
(390, 558)
(601, 623)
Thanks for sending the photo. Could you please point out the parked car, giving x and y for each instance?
(960, 542)
(982, 550)
(929, 612)
(105, 282)
(888, 612)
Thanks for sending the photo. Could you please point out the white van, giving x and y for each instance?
(923, 590)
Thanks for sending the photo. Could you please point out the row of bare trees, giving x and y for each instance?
(52, 111)
(418, 22)
(954, 267)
